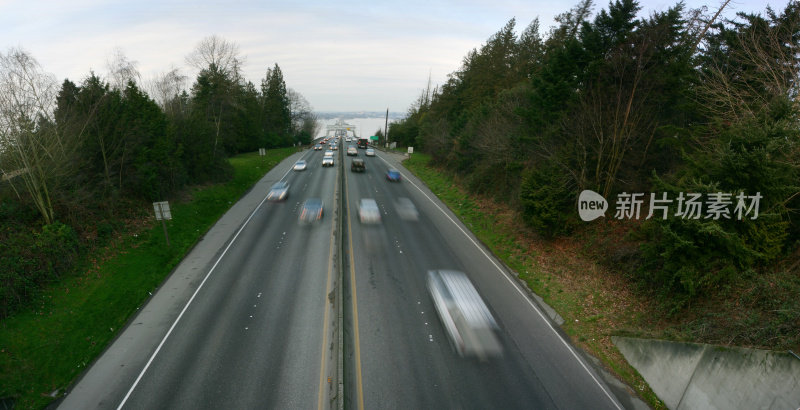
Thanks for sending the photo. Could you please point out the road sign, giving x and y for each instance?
(410, 150)
(163, 214)
(162, 210)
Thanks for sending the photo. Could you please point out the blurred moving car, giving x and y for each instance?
(466, 318)
(368, 211)
(327, 161)
(311, 211)
(279, 191)
(334, 147)
(357, 165)
(393, 175)
(370, 152)
(406, 209)
(351, 150)
(317, 147)
(300, 165)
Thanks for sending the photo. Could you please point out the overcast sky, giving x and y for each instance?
(341, 55)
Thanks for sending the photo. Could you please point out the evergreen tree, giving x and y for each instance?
(276, 113)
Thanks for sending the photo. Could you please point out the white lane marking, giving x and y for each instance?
(516, 286)
(180, 315)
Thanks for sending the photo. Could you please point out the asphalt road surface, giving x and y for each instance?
(400, 356)
(250, 318)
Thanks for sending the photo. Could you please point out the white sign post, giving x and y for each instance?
(162, 214)
(410, 151)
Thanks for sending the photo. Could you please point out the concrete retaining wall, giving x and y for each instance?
(697, 376)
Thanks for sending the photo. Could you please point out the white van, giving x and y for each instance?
(466, 318)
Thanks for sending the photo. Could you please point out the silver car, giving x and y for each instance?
(406, 209)
(279, 191)
(311, 210)
(368, 211)
(465, 317)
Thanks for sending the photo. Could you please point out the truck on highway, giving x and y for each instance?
(363, 142)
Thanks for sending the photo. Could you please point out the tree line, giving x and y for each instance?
(78, 158)
(675, 102)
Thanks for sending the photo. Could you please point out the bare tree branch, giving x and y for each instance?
(30, 144)
(216, 51)
(121, 70)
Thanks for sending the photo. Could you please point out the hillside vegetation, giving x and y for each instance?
(79, 161)
(686, 125)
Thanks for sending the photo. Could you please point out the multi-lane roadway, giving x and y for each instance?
(251, 319)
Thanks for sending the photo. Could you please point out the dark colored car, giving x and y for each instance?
(357, 165)
(393, 175)
(279, 191)
(311, 211)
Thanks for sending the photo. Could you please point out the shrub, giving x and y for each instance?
(30, 259)
(547, 200)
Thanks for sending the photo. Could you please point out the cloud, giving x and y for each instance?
(348, 55)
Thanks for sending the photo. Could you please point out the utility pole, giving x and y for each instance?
(386, 129)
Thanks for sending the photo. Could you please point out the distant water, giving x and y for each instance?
(364, 127)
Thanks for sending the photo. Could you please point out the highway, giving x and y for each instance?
(249, 319)
(256, 331)
(405, 357)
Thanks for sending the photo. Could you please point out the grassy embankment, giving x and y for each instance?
(45, 347)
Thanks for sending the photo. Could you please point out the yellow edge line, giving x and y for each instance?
(322, 367)
(359, 387)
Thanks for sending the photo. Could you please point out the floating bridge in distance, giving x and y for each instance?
(340, 129)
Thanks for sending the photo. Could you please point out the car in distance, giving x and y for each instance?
(351, 150)
(393, 175)
(311, 211)
(279, 191)
(370, 152)
(357, 165)
(317, 147)
(327, 161)
(300, 165)
(368, 211)
(334, 146)
(466, 318)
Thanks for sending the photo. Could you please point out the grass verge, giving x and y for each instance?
(45, 347)
(593, 303)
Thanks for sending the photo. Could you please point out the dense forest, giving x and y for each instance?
(78, 160)
(697, 114)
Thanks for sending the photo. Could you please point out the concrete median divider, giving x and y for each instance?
(699, 376)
